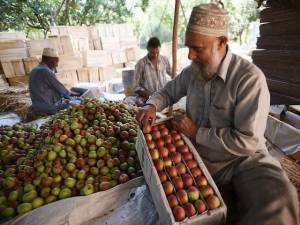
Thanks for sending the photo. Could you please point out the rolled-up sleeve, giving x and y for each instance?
(173, 91)
(250, 116)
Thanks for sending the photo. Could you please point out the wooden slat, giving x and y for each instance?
(18, 81)
(93, 74)
(35, 47)
(69, 62)
(280, 28)
(8, 44)
(30, 63)
(278, 14)
(284, 88)
(13, 53)
(284, 42)
(96, 58)
(280, 99)
(12, 36)
(83, 75)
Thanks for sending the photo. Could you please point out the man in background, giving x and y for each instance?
(47, 93)
(150, 72)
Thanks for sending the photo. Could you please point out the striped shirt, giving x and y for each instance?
(147, 77)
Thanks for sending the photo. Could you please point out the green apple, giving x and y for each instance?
(8, 212)
(13, 196)
(29, 196)
(65, 193)
(80, 184)
(104, 170)
(55, 191)
(70, 182)
(62, 153)
(24, 208)
(101, 152)
(81, 174)
(51, 155)
(99, 142)
(87, 189)
(50, 198)
(92, 155)
(37, 202)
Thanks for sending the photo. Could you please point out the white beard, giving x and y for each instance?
(207, 71)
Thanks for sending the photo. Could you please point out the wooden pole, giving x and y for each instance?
(174, 45)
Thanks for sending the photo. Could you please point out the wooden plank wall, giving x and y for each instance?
(278, 53)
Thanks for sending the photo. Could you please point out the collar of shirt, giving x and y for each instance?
(149, 61)
(225, 64)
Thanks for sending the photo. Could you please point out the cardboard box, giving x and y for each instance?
(215, 216)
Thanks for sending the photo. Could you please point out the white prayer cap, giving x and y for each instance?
(50, 52)
(209, 19)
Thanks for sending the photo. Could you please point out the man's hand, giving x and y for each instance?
(146, 115)
(185, 125)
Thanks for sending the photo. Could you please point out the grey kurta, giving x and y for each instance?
(147, 77)
(231, 110)
(46, 92)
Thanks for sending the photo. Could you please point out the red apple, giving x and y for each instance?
(187, 180)
(159, 164)
(154, 154)
(176, 157)
(148, 137)
(200, 206)
(146, 129)
(175, 136)
(182, 196)
(154, 128)
(183, 149)
(167, 162)
(163, 152)
(172, 201)
(201, 181)
(164, 131)
(179, 213)
(167, 139)
(207, 191)
(178, 183)
(151, 144)
(162, 176)
(196, 172)
(181, 169)
(192, 164)
(168, 187)
(213, 202)
(190, 209)
(171, 147)
(159, 143)
(187, 156)
(156, 135)
(193, 193)
(179, 143)
(172, 171)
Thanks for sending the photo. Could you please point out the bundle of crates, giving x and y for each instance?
(80, 59)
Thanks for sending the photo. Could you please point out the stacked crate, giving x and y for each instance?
(278, 53)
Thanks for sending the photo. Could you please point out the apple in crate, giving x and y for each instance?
(200, 206)
(182, 196)
(172, 171)
(187, 180)
(191, 164)
(201, 181)
(193, 193)
(164, 131)
(171, 147)
(176, 157)
(196, 172)
(187, 156)
(182, 149)
(163, 152)
(206, 191)
(167, 162)
(172, 201)
(167, 139)
(168, 187)
(159, 164)
(179, 213)
(178, 183)
(181, 168)
(154, 153)
(146, 129)
(162, 176)
(159, 143)
(213, 202)
(190, 209)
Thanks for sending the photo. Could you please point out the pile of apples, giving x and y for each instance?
(84, 149)
(187, 189)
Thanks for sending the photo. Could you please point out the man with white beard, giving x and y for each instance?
(227, 108)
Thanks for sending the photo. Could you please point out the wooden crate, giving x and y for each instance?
(18, 81)
(12, 36)
(107, 73)
(78, 31)
(110, 43)
(97, 44)
(13, 53)
(30, 63)
(83, 75)
(13, 68)
(118, 57)
(93, 74)
(8, 44)
(67, 45)
(36, 47)
(69, 62)
(96, 58)
(68, 77)
(55, 43)
(132, 54)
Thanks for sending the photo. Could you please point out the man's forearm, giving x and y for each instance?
(144, 94)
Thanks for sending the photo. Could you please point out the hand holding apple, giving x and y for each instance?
(186, 126)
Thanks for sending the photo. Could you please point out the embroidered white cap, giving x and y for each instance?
(209, 19)
(50, 52)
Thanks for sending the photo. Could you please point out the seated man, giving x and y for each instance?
(47, 94)
(150, 72)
